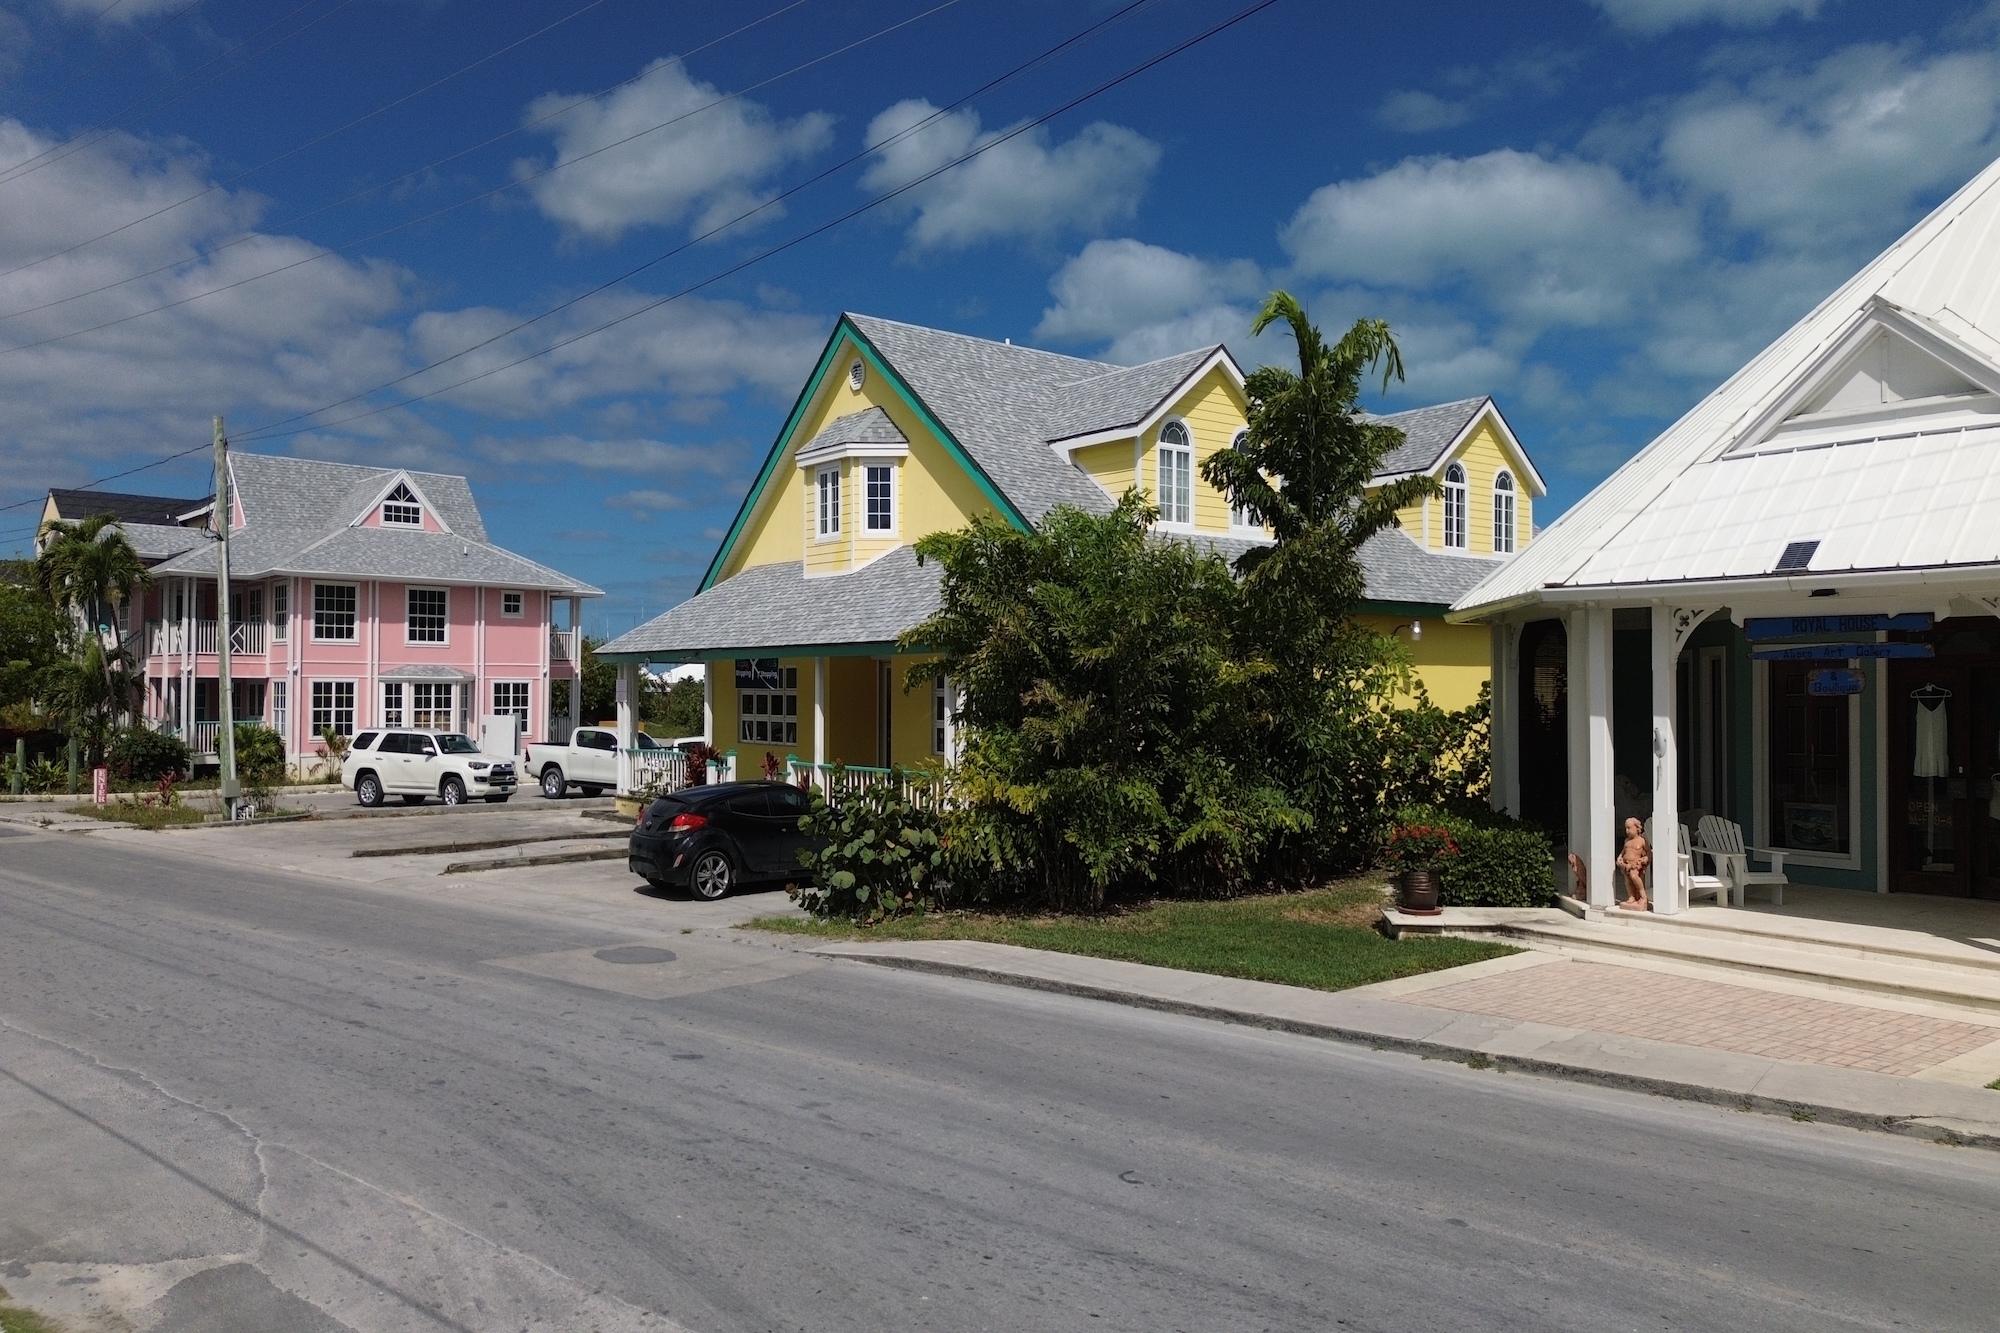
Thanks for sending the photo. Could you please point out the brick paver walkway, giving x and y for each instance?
(1692, 1011)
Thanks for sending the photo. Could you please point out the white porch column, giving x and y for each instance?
(1666, 765)
(819, 710)
(708, 702)
(1576, 637)
(1505, 723)
(1601, 812)
(628, 728)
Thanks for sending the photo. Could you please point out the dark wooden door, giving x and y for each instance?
(1933, 839)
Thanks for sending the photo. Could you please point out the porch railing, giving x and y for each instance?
(204, 738)
(666, 770)
(561, 649)
(247, 637)
(837, 781)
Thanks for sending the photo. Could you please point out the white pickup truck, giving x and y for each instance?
(589, 761)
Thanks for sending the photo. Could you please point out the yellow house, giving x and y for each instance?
(902, 431)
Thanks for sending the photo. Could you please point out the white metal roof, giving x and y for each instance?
(1945, 270)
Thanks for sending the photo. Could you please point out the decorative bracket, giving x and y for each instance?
(1686, 620)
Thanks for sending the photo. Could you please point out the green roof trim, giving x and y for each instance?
(879, 366)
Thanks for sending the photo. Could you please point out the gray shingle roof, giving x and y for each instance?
(777, 606)
(158, 541)
(1119, 397)
(1427, 433)
(1394, 568)
(297, 516)
(870, 426)
(122, 505)
(993, 398)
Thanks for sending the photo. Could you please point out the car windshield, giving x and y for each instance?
(648, 743)
(451, 742)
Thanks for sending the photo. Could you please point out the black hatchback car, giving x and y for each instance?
(711, 839)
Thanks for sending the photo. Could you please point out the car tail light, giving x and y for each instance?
(688, 823)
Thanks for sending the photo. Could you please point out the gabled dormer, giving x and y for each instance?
(401, 506)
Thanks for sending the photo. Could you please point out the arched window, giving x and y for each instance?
(1454, 508)
(1503, 514)
(1176, 469)
(1242, 516)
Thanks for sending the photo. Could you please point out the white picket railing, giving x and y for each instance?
(205, 738)
(836, 781)
(666, 770)
(247, 638)
(561, 646)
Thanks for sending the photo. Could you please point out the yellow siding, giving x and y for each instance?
(1110, 465)
(933, 490)
(1453, 661)
(1213, 411)
(853, 733)
(1482, 454)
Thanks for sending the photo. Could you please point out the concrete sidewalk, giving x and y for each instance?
(1435, 1016)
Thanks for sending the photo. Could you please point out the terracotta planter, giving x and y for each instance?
(1417, 892)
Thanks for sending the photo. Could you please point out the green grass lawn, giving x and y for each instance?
(1323, 939)
(14, 1319)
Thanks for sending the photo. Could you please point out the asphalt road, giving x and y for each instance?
(244, 1099)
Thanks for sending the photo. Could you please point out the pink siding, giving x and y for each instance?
(374, 520)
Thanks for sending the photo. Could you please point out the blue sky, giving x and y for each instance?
(1592, 209)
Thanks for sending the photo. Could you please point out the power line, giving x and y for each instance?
(313, 142)
(517, 182)
(294, 219)
(48, 157)
(271, 431)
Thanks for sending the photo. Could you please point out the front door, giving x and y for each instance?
(1944, 780)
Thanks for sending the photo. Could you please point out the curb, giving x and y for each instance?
(1907, 1126)
(521, 862)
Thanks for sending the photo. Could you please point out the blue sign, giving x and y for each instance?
(1841, 652)
(1833, 681)
(1785, 627)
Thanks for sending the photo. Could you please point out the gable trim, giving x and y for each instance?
(877, 363)
(1510, 444)
(403, 477)
(1065, 446)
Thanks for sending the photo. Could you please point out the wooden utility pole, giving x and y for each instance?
(225, 741)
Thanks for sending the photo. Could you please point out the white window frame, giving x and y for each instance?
(442, 712)
(869, 467)
(278, 700)
(1241, 520)
(410, 592)
(281, 611)
(1455, 496)
(393, 713)
(520, 604)
(826, 503)
(1171, 516)
(775, 711)
(508, 709)
(1504, 512)
(313, 705)
(944, 718)
(354, 613)
(402, 501)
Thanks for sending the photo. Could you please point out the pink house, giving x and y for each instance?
(359, 597)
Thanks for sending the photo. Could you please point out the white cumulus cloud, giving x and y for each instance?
(702, 171)
(1116, 288)
(1031, 185)
(1651, 17)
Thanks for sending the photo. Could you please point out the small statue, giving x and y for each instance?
(1633, 859)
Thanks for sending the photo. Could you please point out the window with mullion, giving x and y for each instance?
(333, 612)
(333, 706)
(827, 485)
(1176, 469)
(879, 492)
(1503, 514)
(1454, 508)
(427, 612)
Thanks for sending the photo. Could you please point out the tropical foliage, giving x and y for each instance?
(1482, 860)
(142, 754)
(87, 571)
(876, 854)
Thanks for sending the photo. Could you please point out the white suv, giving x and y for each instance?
(416, 764)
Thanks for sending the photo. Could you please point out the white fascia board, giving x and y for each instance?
(406, 479)
(1219, 357)
(827, 453)
(1508, 440)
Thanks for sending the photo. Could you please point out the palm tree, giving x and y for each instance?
(88, 569)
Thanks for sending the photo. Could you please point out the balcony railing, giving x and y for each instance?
(561, 646)
(205, 737)
(245, 639)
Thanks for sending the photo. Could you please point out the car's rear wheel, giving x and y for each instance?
(368, 790)
(553, 785)
(451, 791)
(711, 875)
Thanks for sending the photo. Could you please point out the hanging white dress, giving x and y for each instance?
(1933, 744)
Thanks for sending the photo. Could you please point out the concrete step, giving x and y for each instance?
(1927, 979)
(1883, 943)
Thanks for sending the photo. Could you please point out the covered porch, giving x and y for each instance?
(1856, 741)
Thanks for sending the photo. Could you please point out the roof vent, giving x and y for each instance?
(856, 373)
(1797, 556)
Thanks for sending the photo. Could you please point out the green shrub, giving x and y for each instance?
(1501, 862)
(141, 754)
(881, 856)
(260, 754)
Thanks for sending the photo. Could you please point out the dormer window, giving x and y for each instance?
(401, 508)
(1503, 514)
(1454, 508)
(1176, 469)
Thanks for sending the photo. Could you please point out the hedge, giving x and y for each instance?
(1501, 862)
